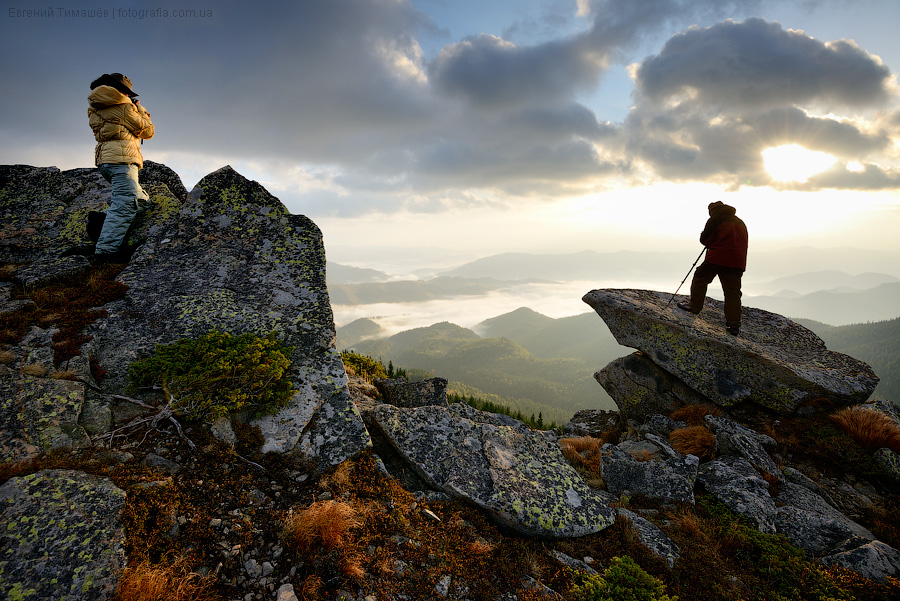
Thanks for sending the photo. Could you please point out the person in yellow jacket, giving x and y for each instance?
(120, 124)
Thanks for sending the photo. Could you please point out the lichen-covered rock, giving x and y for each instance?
(812, 532)
(652, 537)
(733, 481)
(735, 439)
(61, 537)
(872, 559)
(593, 422)
(672, 479)
(806, 499)
(775, 362)
(234, 259)
(38, 415)
(400, 393)
(519, 477)
(889, 462)
(641, 388)
(45, 210)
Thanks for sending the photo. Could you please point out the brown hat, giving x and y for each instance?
(117, 81)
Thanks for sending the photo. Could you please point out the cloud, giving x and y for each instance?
(757, 64)
(339, 102)
(714, 98)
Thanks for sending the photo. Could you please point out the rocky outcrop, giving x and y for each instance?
(519, 477)
(227, 256)
(775, 362)
(234, 259)
(61, 537)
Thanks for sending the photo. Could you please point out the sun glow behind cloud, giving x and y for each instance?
(794, 163)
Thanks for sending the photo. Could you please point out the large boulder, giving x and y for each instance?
(519, 477)
(775, 362)
(61, 537)
(235, 260)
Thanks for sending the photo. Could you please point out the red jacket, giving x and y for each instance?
(725, 235)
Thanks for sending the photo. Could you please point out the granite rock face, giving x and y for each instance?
(61, 538)
(234, 259)
(519, 477)
(775, 362)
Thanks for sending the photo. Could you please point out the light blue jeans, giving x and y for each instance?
(123, 208)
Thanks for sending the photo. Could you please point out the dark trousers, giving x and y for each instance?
(730, 278)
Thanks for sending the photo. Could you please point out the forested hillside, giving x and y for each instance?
(878, 344)
(556, 386)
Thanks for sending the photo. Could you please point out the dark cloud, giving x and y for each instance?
(757, 64)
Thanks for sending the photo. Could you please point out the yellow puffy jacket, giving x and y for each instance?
(118, 126)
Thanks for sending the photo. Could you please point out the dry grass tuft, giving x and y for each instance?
(339, 480)
(7, 357)
(324, 523)
(163, 583)
(694, 440)
(693, 414)
(583, 452)
(871, 429)
(35, 369)
(310, 589)
(67, 374)
(351, 566)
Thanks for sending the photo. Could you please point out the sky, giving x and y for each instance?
(426, 133)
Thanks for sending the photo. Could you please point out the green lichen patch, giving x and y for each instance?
(63, 525)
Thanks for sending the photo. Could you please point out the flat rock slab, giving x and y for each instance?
(519, 477)
(775, 362)
(61, 537)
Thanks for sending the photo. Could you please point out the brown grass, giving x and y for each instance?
(67, 374)
(143, 582)
(583, 452)
(693, 414)
(694, 440)
(324, 523)
(35, 369)
(339, 480)
(309, 590)
(7, 358)
(871, 429)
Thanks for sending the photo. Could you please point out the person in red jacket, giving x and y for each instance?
(725, 238)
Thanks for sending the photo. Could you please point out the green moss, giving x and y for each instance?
(217, 373)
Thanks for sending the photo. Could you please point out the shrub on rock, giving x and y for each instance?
(215, 374)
